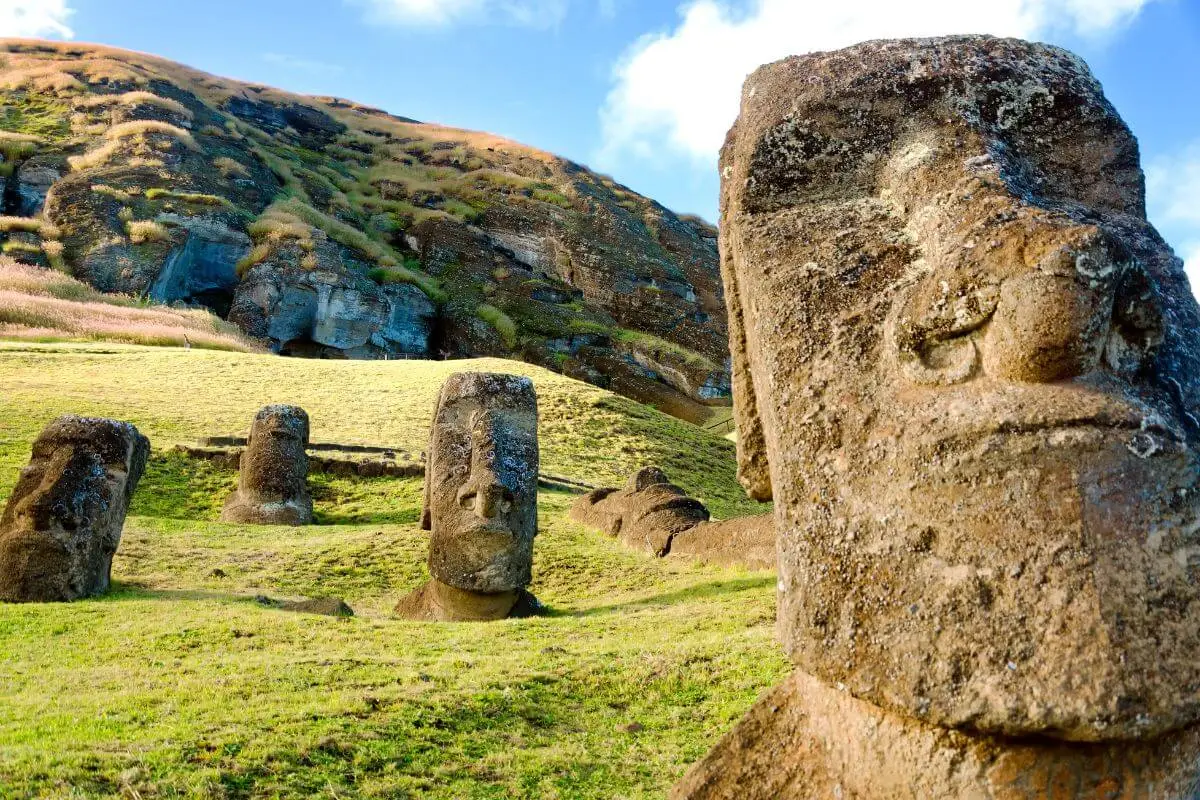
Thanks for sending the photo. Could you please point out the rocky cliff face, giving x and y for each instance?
(329, 229)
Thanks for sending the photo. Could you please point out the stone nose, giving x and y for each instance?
(485, 496)
(1052, 322)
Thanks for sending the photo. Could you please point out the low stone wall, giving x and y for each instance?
(361, 461)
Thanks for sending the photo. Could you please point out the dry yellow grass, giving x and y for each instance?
(146, 230)
(137, 98)
(116, 135)
(47, 79)
(29, 225)
(44, 305)
(230, 168)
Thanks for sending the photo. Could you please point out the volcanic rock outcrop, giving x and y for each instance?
(326, 228)
(968, 372)
(480, 501)
(654, 515)
(273, 471)
(63, 522)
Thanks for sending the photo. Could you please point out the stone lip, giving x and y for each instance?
(967, 370)
(64, 518)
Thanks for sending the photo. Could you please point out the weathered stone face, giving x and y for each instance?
(968, 370)
(646, 514)
(63, 521)
(481, 482)
(273, 477)
(654, 515)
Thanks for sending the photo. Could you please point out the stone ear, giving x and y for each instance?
(753, 470)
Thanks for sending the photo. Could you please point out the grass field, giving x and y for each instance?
(180, 684)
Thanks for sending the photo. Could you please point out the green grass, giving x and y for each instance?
(179, 684)
(355, 239)
(656, 343)
(501, 322)
(187, 197)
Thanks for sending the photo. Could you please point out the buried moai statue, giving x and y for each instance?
(654, 515)
(63, 521)
(273, 472)
(480, 501)
(967, 370)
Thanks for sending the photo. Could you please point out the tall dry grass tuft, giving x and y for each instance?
(139, 97)
(44, 305)
(117, 133)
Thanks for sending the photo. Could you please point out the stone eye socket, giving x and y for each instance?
(1137, 325)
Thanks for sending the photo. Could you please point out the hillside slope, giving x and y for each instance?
(325, 228)
(179, 683)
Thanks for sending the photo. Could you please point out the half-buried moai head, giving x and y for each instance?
(481, 482)
(968, 371)
(273, 477)
(63, 521)
(654, 515)
(646, 514)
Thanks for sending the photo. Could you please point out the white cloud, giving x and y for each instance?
(680, 89)
(1173, 203)
(35, 18)
(436, 13)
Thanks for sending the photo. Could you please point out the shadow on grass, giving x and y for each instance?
(123, 590)
(702, 591)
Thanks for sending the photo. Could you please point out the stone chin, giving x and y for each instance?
(481, 558)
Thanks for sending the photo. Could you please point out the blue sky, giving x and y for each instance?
(642, 89)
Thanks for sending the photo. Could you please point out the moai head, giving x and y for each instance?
(63, 521)
(645, 514)
(273, 477)
(968, 371)
(481, 482)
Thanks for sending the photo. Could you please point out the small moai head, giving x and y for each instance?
(646, 513)
(273, 477)
(63, 522)
(275, 464)
(967, 369)
(481, 482)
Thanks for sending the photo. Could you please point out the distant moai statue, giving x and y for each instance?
(480, 501)
(654, 515)
(967, 371)
(63, 522)
(273, 473)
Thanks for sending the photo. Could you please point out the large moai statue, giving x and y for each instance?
(63, 521)
(273, 472)
(967, 370)
(655, 516)
(480, 501)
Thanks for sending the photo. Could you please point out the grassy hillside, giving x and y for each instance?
(180, 684)
(144, 177)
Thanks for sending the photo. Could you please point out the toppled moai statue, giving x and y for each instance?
(968, 372)
(480, 501)
(273, 473)
(63, 521)
(656, 516)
